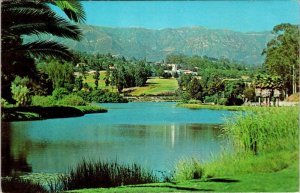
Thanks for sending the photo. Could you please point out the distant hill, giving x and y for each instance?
(155, 45)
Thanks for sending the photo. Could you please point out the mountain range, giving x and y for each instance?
(155, 45)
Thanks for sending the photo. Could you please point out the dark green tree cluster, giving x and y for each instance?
(34, 17)
(282, 56)
(125, 74)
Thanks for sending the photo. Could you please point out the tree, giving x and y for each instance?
(20, 91)
(96, 77)
(60, 73)
(118, 77)
(184, 80)
(195, 89)
(233, 91)
(34, 17)
(282, 56)
(79, 83)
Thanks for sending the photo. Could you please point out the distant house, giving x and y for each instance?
(92, 72)
(188, 72)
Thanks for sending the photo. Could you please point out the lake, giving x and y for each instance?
(155, 135)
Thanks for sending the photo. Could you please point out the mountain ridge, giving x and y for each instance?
(156, 44)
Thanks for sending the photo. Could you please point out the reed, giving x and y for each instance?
(15, 184)
(90, 174)
(263, 140)
(264, 130)
(188, 169)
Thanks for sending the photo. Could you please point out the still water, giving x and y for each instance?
(155, 135)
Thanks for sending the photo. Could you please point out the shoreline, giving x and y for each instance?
(32, 113)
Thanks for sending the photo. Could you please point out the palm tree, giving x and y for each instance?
(34, 17)
(267, 86)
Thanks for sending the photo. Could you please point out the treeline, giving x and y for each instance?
(224, 92)
(208, 66)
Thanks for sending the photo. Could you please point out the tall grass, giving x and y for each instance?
(264, 130)
(187, 169)
(263, 140)
(101, 174)
(16, 185)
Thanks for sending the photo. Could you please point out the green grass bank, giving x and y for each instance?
(265, 158)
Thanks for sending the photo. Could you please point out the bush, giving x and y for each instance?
(4, 103)
(21, 94)
(101, 96)
(71, 100)
(188, 169)
(223, 101)
(43, 101)
(211, 99)
(59, 93)
(193, 101)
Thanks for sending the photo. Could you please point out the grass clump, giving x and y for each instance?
(16, 185)
(91, 109)
(264, 130)
(188, 169)
(263, 140)
(102, 174)
(212, 107)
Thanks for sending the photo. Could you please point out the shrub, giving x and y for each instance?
(71, 100)
(43, 101)
(4, 103)
(188, 169)
(101, 96)
(20, 93)
(223, 101)
(211, 99)
(59, 93)
(193, 101)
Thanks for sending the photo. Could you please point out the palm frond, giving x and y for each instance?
(73, 9)
(46, 49)
(59, 28)
(30, 21)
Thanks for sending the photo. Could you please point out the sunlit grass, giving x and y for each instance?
(157, 86)
(101, 83)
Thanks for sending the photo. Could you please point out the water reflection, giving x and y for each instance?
(11, 164)
(55, 148)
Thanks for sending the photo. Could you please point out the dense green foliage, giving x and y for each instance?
(282, 56)
(20, 91)
(101, 96)
(60, 73)
(221, 81)
(30, 17)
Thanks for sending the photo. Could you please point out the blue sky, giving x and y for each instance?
(242, 16)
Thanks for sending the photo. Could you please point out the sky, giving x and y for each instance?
(244, 16)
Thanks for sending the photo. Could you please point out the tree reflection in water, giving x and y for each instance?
(11, 165)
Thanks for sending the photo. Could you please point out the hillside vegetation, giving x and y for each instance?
(155, 45)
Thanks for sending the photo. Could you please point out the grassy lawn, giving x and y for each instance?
(91, 81)
(156, 86)
(282, 181)
(213, 107)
